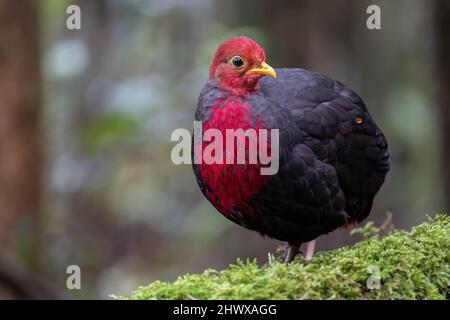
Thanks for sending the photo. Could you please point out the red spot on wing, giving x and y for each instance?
(232, 185)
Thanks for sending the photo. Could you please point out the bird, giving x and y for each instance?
(333, 158)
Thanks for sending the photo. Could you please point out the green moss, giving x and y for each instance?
(411, 265)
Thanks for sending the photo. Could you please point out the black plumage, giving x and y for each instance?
(333, 157)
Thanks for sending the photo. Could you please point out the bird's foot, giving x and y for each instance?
(310, 248)
(291, 252)
(293, 249)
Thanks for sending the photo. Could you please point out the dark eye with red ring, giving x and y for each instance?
(237, 62)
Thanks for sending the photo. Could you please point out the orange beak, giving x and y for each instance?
(264, 69)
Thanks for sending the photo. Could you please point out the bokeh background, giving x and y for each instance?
(86, 117)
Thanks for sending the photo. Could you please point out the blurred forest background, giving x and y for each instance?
(86, 117)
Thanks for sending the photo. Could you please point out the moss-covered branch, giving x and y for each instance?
(412, 265)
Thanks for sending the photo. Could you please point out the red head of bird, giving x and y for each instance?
(238, 65)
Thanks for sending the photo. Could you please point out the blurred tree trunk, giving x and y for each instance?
(442, 30)
(20, 156)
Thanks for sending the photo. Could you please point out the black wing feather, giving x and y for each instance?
(330, 166)
(324, 111)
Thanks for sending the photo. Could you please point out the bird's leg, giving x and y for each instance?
(291, 252)
(310, 248)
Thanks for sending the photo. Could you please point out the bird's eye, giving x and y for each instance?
(237, 62)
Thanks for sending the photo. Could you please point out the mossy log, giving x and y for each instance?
(402, 265)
